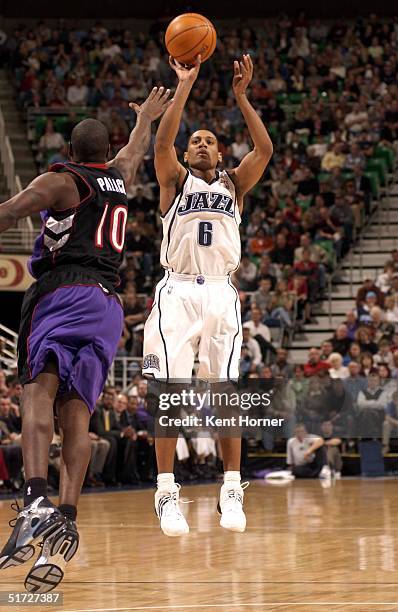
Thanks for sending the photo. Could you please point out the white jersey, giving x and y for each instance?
(201, 228)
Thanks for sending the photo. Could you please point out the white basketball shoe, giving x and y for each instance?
(231, 506)
(167, 507)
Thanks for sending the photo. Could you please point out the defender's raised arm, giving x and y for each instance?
(129, 157)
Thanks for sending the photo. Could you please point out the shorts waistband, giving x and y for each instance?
(73, 274)
(200, 279)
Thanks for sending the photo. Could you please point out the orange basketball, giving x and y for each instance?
(189, 35)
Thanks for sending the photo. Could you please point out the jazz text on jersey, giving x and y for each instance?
(205, 200)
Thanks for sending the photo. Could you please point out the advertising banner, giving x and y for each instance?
(14, 274)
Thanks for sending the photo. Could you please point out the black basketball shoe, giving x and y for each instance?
(31, 525)
(57, 549)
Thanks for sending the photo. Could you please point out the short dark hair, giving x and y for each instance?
(90, 141)
(205, 129)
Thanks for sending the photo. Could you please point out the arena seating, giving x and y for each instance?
(328, 94)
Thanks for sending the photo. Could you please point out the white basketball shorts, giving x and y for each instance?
(193, 316)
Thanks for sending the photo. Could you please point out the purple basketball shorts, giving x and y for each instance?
(80, 327)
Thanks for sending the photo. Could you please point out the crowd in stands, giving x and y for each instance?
(362, 358)
(121, 432)
(348, 386)
(122, 429)
(346, 391)
(328, 93)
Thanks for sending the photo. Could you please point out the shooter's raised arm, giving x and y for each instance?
(252, 166)
(170, 173)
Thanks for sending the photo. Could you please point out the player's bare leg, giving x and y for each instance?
(231, 451)
(59, 548)
(172, 521)
(38, 423)
(39, 517)
(165, 453)
(73, 418)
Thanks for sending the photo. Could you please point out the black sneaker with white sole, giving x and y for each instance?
(57, 549)
(31, 525)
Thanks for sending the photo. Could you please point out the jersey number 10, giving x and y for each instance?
(205, 233)
(117, 228)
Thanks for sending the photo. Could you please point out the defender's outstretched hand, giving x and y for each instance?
(243, 74)
(186, 74)
(155, 105)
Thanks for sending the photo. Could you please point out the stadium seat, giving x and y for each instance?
(40, 126)
(323, 177)
(374, 182)
(60, 124)
(386, 154)
(296, 97)
(379, 165)
(327, 245)
(281, 98)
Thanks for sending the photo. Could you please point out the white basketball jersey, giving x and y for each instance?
(201, 228)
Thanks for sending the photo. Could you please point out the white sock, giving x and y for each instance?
(232, 477)
(165, 480)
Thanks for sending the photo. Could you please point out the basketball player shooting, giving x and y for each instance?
(71, 324)
(197, 309)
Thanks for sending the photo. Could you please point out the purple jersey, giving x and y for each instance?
(90, 235)
(71, 315)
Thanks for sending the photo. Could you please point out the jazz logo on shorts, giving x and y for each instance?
(151, 361)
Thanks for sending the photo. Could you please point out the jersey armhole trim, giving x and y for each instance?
(100, 166)
(68, 168)
(178, 193)
(232, 178)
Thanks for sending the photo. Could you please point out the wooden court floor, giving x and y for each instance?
(306, 548)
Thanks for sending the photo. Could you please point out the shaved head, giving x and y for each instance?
(90, 141)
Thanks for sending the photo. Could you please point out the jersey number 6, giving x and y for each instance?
(117, 230)
(205, 233)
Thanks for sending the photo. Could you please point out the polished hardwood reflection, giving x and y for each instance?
(306, 548)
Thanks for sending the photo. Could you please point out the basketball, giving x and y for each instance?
(189, 35)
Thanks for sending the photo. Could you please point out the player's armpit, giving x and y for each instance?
(250, 170)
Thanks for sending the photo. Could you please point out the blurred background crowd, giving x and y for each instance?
(327, 91)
